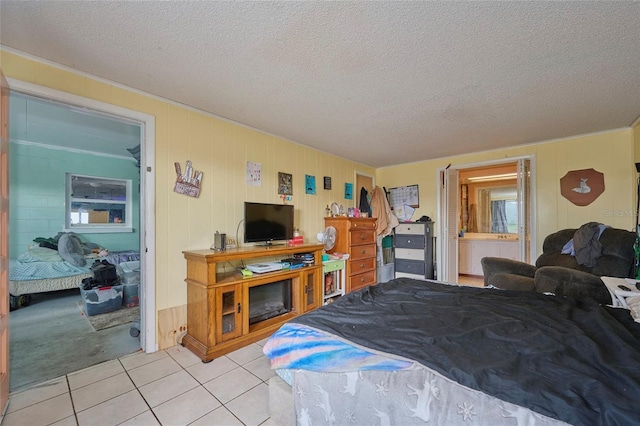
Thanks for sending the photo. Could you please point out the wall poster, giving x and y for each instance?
(254, 174)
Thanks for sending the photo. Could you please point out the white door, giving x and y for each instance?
(524, 209)
(450, 252)
(4, 243)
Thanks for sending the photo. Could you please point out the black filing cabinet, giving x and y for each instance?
(413, 250)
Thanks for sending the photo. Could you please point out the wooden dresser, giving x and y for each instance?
(356, 237)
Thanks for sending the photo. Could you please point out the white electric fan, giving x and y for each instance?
(328, 237)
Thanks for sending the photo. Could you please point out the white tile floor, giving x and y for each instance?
(170, 387)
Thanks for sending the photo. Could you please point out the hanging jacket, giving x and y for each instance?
(364, 202)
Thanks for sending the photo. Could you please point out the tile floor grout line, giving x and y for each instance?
(141, 395)
(73, 406)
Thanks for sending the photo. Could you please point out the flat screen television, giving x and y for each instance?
(266, 223)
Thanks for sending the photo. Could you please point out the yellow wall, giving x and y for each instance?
(220, 149)
(610, 153)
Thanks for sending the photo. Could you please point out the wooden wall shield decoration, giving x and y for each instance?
(582, 187)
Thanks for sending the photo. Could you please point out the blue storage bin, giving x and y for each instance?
(101, 300)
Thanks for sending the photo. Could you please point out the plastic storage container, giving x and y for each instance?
(129, 274)
(101, 300)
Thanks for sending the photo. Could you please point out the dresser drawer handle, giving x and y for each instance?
(363, 237)
(363, 279)
(362, 265)
(363, 251)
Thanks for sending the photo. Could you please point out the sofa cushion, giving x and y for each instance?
(507, 281)
(571, 283)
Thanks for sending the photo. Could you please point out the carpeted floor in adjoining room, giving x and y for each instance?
(52, 337)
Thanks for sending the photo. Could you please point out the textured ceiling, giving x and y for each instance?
(381, 83)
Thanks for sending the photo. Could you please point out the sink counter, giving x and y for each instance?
(489, 236)
(472, 250)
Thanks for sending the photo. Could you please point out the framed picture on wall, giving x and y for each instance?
(309, 184)
(285, 184)
(327, 182)
(348, 191)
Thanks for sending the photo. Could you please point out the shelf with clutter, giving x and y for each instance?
(334, 278)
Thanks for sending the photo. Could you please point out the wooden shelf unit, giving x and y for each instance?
(218, 301)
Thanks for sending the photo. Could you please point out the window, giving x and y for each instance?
(97, 204)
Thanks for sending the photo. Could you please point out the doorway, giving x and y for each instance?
(101, 113)
(486, 210)
(365, 181)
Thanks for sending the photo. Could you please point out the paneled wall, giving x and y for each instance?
(37, 194)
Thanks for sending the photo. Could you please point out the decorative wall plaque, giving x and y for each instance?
(582, 187)
(187, 183)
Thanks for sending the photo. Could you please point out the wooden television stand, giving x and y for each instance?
(218, 302)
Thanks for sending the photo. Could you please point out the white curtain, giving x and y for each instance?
(499, 217)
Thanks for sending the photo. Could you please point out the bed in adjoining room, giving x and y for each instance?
(43, 269)
(414, 352)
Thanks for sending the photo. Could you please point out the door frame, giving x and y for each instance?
(148, 321)
(4, 246)
(444, 247)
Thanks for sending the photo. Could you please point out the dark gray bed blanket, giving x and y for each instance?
(574, 361)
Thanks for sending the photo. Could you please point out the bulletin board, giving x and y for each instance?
(404, 195)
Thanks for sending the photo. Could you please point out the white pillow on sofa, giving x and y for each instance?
(633, 303)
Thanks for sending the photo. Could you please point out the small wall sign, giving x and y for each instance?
(187, 183)
(348, 191)
(309, 184)
(327, 182)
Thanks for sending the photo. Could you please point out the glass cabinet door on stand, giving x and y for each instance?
(311, 294)
(229, 308)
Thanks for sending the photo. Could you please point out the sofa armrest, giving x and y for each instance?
(507, 274)
(495, 265)
(571, 283)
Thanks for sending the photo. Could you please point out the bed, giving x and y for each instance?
(41, 269)
(415, 352)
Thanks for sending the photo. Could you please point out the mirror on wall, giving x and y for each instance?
(489, 200)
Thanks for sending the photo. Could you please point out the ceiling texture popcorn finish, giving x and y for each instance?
(381, 83)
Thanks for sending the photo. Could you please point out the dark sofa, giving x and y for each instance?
(560, 273)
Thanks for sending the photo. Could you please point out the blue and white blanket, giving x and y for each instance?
(296, 346)
(27, 271)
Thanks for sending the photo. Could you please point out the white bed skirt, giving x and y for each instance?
(405, 397)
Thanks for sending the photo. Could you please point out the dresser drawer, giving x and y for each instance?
(362, 236)
(356, 282)
(410, 228)
(363, 252)
(410, 241)
(413, 254)
(363, 224)
(410, 266)
(360, 266)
